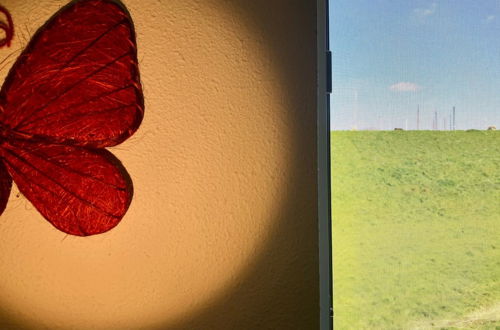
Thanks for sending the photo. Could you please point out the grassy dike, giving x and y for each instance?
(416, 229)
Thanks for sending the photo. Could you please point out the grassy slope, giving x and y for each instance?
(416, 227)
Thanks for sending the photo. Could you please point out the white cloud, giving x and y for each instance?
(424, 12)
(405, 87)
(489, 18)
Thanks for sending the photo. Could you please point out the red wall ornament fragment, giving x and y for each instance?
(7, 27)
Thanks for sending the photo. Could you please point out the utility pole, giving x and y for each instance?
(454, 118)
(444, 124)
(435, 120)
(418, 117)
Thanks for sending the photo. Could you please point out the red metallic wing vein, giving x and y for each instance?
(66, 65)
(44, 158)
(36, 199)
(75, 119)
(50, 81)
(58, 184)
(79, 191)
(46, 118)
(115, 60)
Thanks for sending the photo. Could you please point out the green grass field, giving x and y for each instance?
(416, 229)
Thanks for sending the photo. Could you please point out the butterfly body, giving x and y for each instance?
(74, 91)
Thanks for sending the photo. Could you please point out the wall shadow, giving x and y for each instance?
(280, 289)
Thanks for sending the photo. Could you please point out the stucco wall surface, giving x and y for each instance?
(222, 231)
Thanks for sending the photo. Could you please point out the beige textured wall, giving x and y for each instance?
(222, 231)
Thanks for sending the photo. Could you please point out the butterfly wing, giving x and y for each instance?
(5, 185)
(73, 90)
(80, 191)
(77, 81)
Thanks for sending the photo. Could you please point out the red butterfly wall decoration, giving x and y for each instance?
(73, 91)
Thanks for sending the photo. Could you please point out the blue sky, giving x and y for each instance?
(392, 56)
